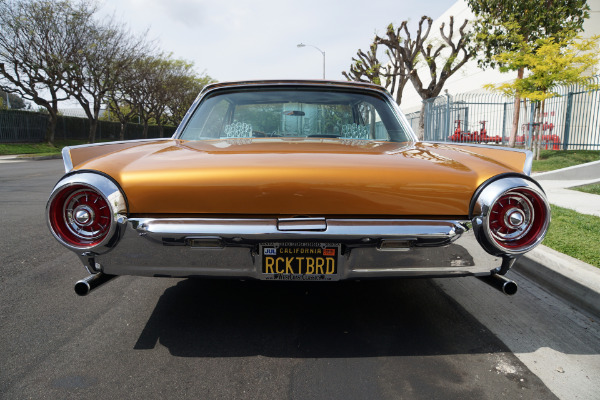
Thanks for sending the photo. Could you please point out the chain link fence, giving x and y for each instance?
(30, 127)
(570, 120)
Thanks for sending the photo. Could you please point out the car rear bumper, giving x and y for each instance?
(229, 247)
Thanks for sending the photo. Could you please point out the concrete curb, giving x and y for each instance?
(37, 158)
(572, 279)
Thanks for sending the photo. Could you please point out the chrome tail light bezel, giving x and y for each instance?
(77, 234)
(510, 215)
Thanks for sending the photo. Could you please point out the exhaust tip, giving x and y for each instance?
(82, 288)
(89, 283)
(506, 286)
(510, 288)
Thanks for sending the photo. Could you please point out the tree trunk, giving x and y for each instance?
(540, 130)
(122, 131)
(400, 90)
(145, 134)
(50, 131)
(517, 109)
(536, 130)
(372, 121)
(93, 126)
(421, 132)
(52, 108)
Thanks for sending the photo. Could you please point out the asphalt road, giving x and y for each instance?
(201, 339)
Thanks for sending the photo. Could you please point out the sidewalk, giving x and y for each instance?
(555, 184)
(572, 279)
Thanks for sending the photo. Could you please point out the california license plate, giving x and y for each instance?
(303, 261)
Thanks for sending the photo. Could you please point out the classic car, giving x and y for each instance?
(296, 181)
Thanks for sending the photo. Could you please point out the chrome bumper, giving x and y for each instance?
(371, 248)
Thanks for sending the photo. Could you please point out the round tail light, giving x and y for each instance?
(83, 211)
(80, 215)
(518, 219)
(510, 215)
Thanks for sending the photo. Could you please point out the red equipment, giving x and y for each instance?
(548, 141)
(475, 137)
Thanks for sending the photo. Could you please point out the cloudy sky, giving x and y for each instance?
(236, 40)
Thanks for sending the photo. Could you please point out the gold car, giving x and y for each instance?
(296, 180)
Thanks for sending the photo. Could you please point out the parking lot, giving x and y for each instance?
(184, 338)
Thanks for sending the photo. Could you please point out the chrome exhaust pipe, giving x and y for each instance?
(89, 283)
(503, 284)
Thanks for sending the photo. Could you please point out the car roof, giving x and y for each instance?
(295, 82)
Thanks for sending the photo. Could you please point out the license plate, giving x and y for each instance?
(299, 261)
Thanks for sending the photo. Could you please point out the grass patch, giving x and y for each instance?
(574, 234)
(551, 160)
(27, 148)
(594, 188)
(42, 149)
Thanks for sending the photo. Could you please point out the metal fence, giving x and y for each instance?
(22, 126)
(570, 120)
(30, 127)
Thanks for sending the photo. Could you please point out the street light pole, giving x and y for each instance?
(321, 51)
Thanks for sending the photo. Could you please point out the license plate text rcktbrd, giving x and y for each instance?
(300, 260)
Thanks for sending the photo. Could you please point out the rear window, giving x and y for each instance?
(295, 113)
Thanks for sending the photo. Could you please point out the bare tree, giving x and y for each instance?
(183, 85)
(106, 51)
(407, 54)
(367, 68)
(118, 107)
(54, 50)
(125, 99)
(395, 73)
(442, 59)
(160, 84)
(37, 41)
(140, 96)
(163, 89)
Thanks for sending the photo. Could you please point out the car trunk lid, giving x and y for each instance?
(307, 177)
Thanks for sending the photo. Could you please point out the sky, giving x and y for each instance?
(238, 40)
